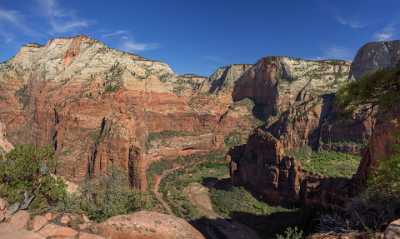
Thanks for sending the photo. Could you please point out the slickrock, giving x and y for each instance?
(374, 56)
(53, 230)
(8, 231)
(150, 225)
(38, 222)
(393, 230)
(84, 235)
(20, 219)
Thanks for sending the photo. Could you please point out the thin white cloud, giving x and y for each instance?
(337, 52)
(15, 19)
(117, 33)
(387, 33)
(351, 22)
(127, 42)
(133, 46)
(61, 20)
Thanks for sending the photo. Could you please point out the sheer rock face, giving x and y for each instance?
(261, 166)
(374, 56)
(224, 78)
(296, 97)
(98, 107)
(253, 164)
(386, 134)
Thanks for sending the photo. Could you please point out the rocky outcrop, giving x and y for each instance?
(386, 134)
(142, 224)
(261, 166)
(5, 146)
(149, 225)
(295, 97)
(258, 164)
(224, 78)
(99, 107)
(374, 56)
(393, 230)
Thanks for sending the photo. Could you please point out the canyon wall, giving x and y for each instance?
(309, 117)
(100, 107)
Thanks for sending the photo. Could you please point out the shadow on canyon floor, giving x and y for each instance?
(266, 226)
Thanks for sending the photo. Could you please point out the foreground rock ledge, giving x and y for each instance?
(150, 225)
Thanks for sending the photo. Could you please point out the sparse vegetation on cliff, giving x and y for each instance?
(111, 195)
(228, 200)
(378, 89)
(327, 163)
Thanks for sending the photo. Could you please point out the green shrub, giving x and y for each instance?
(231, 200)
(378, 89)
(27, 169)
(110, 195)
(291, 233)
(384, 182)
(233, 139)
(327, 163)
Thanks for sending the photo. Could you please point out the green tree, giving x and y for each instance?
(378, 89)
(111, 195)
(27, 170)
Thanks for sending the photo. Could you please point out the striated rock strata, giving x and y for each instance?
(261, 164)
(99, 107)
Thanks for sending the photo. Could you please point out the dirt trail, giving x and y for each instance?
(199, 196)
(218, 227)
(156, 188)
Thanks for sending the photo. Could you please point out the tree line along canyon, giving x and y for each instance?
(100, 143)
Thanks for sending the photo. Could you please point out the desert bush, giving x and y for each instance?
(28, 169)
(380, 202)
(291, 233)
(110, 195)
(233, 139)
(378, 89)
(327, 163)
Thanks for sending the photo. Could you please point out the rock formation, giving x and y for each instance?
(99, 107)
(296, 97)
(142, 224)
(149, 225)
(374, 56)
(261, 164)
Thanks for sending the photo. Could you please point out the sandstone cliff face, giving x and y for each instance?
(258, 163)
(262, 166)
(295, 97)
(99, 107)
(224, 78)
(375, 55)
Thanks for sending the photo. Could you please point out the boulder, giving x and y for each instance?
(9, 231)
(38, 222)
(20, 219)
(149, 225)
(374, 56)
(84, 235)
(393, 230)
(53, 230)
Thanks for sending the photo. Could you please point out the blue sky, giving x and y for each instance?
(197, 36)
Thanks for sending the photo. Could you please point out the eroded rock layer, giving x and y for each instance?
(311, 119)
(99, 107)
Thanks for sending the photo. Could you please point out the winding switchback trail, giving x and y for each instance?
(217, 226)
